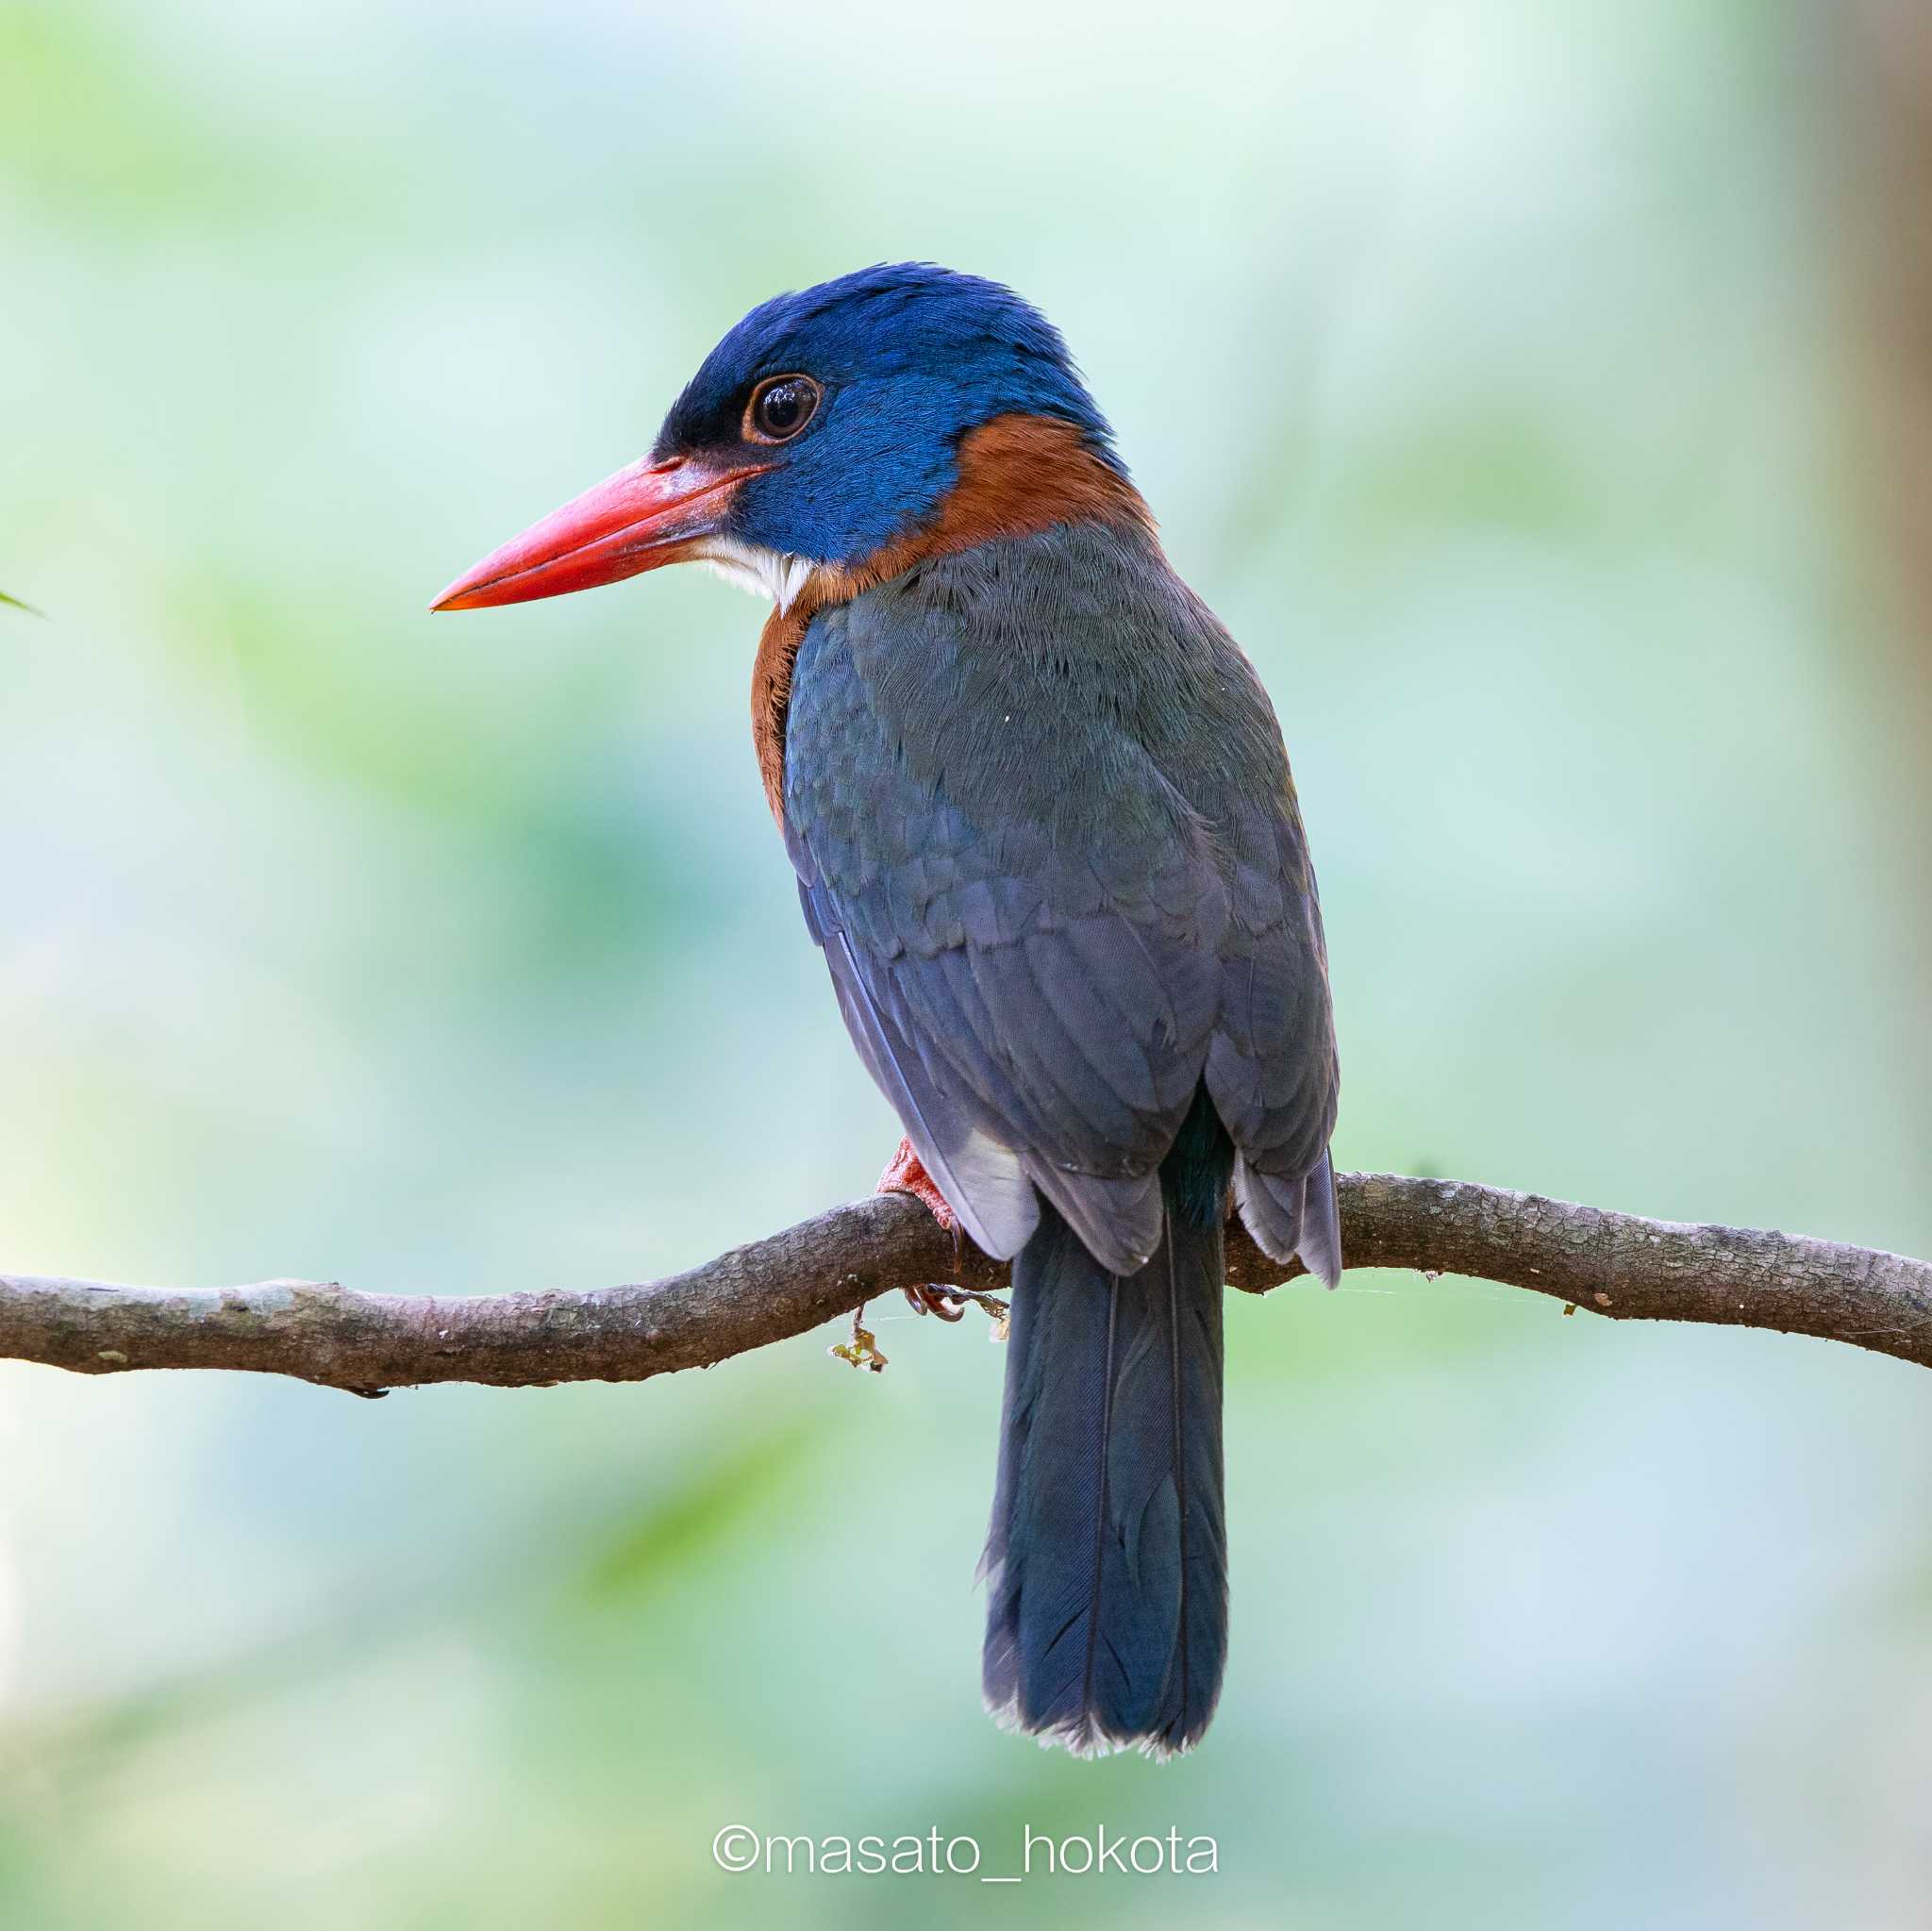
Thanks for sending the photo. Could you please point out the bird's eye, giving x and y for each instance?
(780, 407)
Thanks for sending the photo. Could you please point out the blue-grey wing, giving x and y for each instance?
(1048, 900)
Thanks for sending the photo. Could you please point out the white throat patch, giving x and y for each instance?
(763, 572)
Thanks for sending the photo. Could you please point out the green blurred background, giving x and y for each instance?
(1540, 394)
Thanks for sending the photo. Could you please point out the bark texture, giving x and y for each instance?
(1613, 1264)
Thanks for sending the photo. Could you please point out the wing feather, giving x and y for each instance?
(1043, 830)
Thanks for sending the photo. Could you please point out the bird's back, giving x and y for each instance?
(1043, 818)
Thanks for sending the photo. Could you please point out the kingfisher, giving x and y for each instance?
(1047, 842)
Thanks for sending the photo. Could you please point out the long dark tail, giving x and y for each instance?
(1106, 1561)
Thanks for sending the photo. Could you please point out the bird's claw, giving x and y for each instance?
(934, 1299)
(906, 1173)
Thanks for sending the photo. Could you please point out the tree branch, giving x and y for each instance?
(1607, 1263)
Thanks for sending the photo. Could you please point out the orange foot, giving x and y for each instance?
(906, 1173)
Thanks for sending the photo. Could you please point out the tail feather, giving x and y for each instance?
(1106, 1560)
